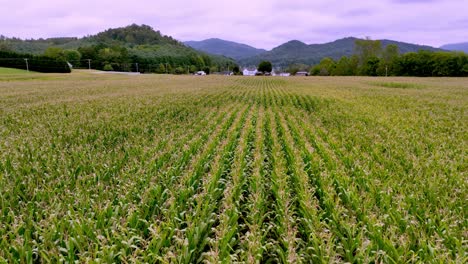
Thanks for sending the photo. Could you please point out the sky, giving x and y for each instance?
(259, 23)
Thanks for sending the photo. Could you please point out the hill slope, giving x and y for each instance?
(129, 36)
(226, 48)
(298, 52)
(456, 47)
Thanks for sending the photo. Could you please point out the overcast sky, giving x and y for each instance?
(260, 23)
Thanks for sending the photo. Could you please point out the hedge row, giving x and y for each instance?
(36, 63)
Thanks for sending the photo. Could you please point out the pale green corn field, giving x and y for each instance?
(191, 169)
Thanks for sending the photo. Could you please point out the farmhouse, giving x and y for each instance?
(249, 71)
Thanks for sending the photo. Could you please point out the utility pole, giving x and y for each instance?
(136, 67)
(386, 71)
(27, 64)
(89, 64)
(166, 67)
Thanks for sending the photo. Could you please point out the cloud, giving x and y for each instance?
(261, 23)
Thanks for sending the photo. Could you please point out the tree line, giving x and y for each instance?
(371, 59)
(146, 59)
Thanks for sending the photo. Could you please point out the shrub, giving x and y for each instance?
(108, 67)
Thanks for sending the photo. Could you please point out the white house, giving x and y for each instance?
(249, 71)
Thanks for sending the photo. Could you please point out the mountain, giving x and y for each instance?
(456, 47)
(226, 48)
(298, 52)
(129, 36)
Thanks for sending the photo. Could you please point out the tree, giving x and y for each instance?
(214, 69)
(4, 46)
(324, 68)
(169, 68)
(366, 49)
(464, 70)
(343, 67)
(369, 68)
(54, 52)
(265, 66)
(108, 67)
(161, 68)
(179, 70)
(72, 56)
(236, 70)
(88, 52)
(389, 55)
(193, 68)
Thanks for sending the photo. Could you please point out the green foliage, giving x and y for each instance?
(108, 67)
(370, 66)
(214, 69)
(134, 35)
(180, 70)
(326, 67)
(346, 66)
(72, 56)
(265, 66)
(54, 52)
(193, 68)
(387, 61)
(294, 68)
(422, 63)
(161, 68)
(427, 64)
(236, 70)
(35, 63)
(367, 50)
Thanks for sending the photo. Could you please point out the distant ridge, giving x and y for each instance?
(456, 47)
(298, 52)
(226, 48)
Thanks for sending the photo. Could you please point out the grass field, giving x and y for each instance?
(210, 169)
(12, 71)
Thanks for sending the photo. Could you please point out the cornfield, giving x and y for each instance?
(185, 169)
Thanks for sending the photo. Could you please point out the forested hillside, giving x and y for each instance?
(122, 49)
